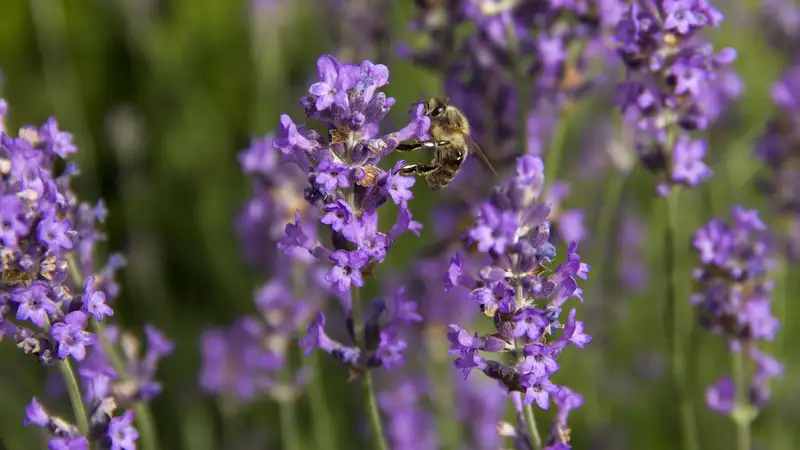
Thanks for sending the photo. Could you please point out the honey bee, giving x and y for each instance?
(450, 141)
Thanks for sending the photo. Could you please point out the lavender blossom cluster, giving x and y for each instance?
(345, 182)
(734, 298)
(522, 296)
(48, 239)
(517, 44)
(779, 150)
(249, 358)
(676, 83)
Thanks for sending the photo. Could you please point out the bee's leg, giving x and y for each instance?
(415, 145)
(417, 169)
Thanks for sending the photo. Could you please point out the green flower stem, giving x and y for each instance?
(530, 422)
(290, 439)
(73, 389)
(65, 366)
(144, 418)
(522, 83)
(373, 414)
(553, 156)
(743, 413)
(527, 410)
(614, 188)
(675, 329)
(324, 432)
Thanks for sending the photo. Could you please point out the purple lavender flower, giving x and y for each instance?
(675, 84)
(94, 302)
(48, 240)
(409, 424)
(346, 182)
(139, 370)
(779, 149)
(121, 432)
(508, 287)
(68, 443)
(733, 300)
(238, 364)
(383, 341)
(347, 270)
(539, 44)
(71, 337)
(35, 303)
(65, 436)
(781, 24)
(481, 404)
(633, 271)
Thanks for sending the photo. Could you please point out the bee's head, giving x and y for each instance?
(435, 107)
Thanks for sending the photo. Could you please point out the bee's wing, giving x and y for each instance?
(475, 148)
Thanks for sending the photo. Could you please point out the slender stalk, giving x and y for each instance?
(290, 439)
(373, 414)
(324, 432)
(741, 416)
(73, 389)
(614, 188)
(75, 397)
(530, 422)
(527, 410)
(675, 329)
(523, 84)
(553, 156)
(144, 418)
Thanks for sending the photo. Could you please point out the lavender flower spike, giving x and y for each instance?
(346, 183)
(675, 84)
(47, 243)
(733, 300)
(519, 293)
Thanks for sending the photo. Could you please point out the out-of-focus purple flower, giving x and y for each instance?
(632, 271)
(546, 46)
(521, 295)
(244, 361)
(409, 425)
(481, 404)
(675, 84)
(781, 24)
(734, 298)
(687, 159)
(568, 222)
(121, 432)
(140, 369)
(779, 149)
(721, 396)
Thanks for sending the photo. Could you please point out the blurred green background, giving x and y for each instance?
(162, 95)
